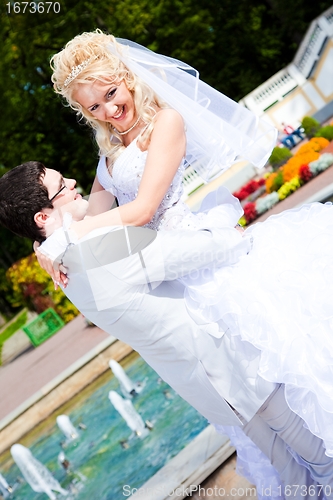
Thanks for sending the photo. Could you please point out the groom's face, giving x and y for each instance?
(63, 194)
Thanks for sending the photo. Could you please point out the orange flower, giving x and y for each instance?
(303, 157)
(270, 182)
(319, 143)
(314, 144)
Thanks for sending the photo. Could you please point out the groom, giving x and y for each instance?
(125, 280)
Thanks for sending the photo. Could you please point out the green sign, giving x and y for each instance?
(44, 326)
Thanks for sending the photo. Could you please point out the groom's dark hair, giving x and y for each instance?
(22, 195)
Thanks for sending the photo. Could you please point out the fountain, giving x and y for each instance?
(35, 473)
(63, 461)
(5, 489)
(129, 414)
(128, 388)
(66, 427)
(103, 459)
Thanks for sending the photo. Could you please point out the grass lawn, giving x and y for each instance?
(14, 325)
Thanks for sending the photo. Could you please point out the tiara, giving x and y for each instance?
(76, 70)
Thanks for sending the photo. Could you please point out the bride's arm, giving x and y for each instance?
(165, 153)
(99, 200)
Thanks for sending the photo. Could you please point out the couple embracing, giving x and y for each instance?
(246, 341)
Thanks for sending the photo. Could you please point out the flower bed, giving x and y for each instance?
(33, 288)
(250, 188)
(299, 169)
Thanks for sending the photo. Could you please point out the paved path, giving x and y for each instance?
(27, 374)
(224, 483)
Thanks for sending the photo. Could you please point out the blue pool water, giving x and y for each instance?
(97, 455)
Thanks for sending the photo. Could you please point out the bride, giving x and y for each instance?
(152, 117)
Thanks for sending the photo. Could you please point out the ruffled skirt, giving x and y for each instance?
(279, 297)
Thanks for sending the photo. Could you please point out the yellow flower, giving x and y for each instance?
(28, 279)
(289, 187)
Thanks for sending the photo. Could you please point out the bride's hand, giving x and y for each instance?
(240, 228)
(53, 268)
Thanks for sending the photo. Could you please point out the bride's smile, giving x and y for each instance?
(108, 102)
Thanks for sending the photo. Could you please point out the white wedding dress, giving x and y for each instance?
(279, 297)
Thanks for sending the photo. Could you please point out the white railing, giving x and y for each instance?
(310, 48)
(191, 182)
(270, 92)
(280, 84)
(274, 89)
(328, 14)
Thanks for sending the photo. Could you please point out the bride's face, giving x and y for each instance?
(108, 102)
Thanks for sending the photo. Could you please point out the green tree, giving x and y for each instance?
(235, 46)
(254, 40)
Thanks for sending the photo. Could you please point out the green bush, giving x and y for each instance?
(326, 132)
(33, 288)
(7, 331)
(310, 126)
(279, 157)
(19, 320)
(278, 181)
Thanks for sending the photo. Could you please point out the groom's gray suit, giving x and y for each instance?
(112, 289)
(126, 281)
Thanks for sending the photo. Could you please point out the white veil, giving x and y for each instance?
(218, 130)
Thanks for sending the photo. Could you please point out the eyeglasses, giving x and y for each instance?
(61, 189)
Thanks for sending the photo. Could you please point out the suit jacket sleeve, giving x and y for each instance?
(174, 254)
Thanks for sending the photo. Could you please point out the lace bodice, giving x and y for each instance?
(125, 181)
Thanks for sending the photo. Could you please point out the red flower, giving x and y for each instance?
(250, 212)
(305, 173)
(248, 189)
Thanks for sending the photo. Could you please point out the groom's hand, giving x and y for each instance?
(55, 269)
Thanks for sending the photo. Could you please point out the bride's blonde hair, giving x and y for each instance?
(98, 63)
